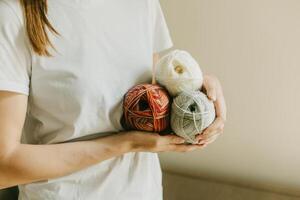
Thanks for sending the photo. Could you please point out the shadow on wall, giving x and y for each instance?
(179, 187)
(9, 194)
(253, 47)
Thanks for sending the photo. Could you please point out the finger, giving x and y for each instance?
(210, 87)
(209, 133)
(196, 147)
(185, 148)
(199, 137)
(216, 127)
(213, 138)
(209, 139)
(220, 105)
(172, 139)
(202, 142)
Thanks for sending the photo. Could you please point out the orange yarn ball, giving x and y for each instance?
(146, 108)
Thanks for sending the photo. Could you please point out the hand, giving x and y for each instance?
(212, 87)
(153, 142)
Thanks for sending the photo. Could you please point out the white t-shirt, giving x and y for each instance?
(105, 48)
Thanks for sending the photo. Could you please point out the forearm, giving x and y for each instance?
(30, 163)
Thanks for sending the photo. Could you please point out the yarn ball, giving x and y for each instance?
(192, 112)
(178, 71)
(147, 108)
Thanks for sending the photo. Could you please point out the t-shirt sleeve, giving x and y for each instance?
(161, 35)
(15, 59)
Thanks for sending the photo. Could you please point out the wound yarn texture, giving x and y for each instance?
(147, 108)
(191, 113)
(178, 71)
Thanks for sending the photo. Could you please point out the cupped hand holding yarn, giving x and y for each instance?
(147, 108)
(191, 113)
(191, 110)
(178, 71)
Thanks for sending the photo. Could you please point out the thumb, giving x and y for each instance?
(211, 92)
(209, 87)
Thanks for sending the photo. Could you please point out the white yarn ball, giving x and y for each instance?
(178, 71)
(191, 113)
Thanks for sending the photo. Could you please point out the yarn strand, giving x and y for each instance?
(191, 113)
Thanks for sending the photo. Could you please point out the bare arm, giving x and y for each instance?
(24, 163)
(21, 163)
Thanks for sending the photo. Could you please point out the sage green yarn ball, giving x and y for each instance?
(191, 113)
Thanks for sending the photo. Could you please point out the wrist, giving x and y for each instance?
(107, 147)
(128, 142)
(133, 141)
(120, 143)
(125, 142)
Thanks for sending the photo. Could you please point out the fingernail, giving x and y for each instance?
(202, 142)
(199, 137)
(213, 97)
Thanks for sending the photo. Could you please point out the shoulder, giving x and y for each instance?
(11, 20)
(11, 12)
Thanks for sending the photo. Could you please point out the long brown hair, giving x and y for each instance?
(37, 24)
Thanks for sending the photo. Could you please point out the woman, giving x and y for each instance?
(64, 68)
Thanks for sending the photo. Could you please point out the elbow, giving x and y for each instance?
(4, 177)
(6, 152)
(6, 167)
(3, 186)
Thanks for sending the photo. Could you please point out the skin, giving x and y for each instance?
(212, 87)
(26, 163)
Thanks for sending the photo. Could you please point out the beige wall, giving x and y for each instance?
(253, 46)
